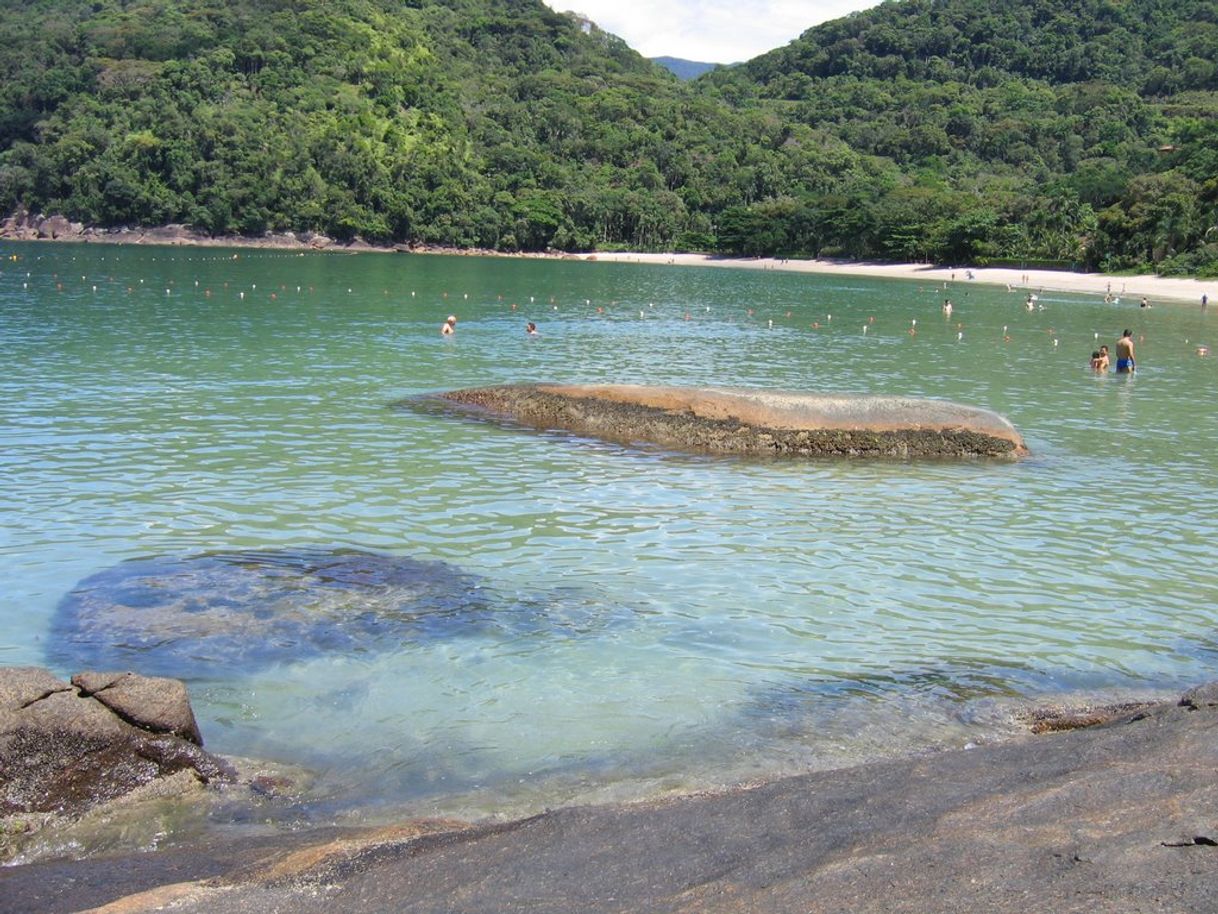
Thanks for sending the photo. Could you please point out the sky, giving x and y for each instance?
(714, 31)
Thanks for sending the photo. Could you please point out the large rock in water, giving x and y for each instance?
(188, 616)
(66, 748)
(752, 422)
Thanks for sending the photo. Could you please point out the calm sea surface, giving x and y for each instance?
(689, 622)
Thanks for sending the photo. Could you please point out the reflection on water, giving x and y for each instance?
(679, 621)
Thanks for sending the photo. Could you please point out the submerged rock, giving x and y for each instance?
(752, 422)
(181, 616)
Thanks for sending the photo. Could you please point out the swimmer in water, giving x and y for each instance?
(449, 327)
(1125, 363)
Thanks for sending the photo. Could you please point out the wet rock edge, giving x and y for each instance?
(1118, 816)
(632, 423)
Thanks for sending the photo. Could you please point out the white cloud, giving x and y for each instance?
(718, 31)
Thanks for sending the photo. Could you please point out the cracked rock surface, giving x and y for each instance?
(66, 748)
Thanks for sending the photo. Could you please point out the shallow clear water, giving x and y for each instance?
(692, 621)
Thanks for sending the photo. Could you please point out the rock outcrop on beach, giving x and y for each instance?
(750, 422)
(23, 225)
(1113, 818)
(66, 748)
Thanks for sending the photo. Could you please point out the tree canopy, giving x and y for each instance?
(1079, 132)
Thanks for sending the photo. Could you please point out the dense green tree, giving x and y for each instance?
(1072, 131)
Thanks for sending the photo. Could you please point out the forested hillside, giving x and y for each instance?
(1081, 131)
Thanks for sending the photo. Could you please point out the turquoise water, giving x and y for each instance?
(695, 622)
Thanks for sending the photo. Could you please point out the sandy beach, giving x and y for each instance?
(1129, 288)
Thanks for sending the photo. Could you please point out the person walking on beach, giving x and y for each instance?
(449, 327)
(1125, 363)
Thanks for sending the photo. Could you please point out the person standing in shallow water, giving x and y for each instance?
(1124, 347)
(449, 327)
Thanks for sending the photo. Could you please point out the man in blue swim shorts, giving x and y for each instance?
(1125, 363)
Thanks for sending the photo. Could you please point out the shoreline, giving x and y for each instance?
(1105, 812)
(1126, 289)
(1129, 289)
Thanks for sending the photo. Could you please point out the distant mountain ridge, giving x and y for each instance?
(685, 69)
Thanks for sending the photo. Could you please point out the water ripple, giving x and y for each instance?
(781, 615)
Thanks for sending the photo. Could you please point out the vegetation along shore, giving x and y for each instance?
(1073, 135)
(22, 226)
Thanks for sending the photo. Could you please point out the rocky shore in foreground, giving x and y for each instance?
(94, 756)
(1118, 817)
